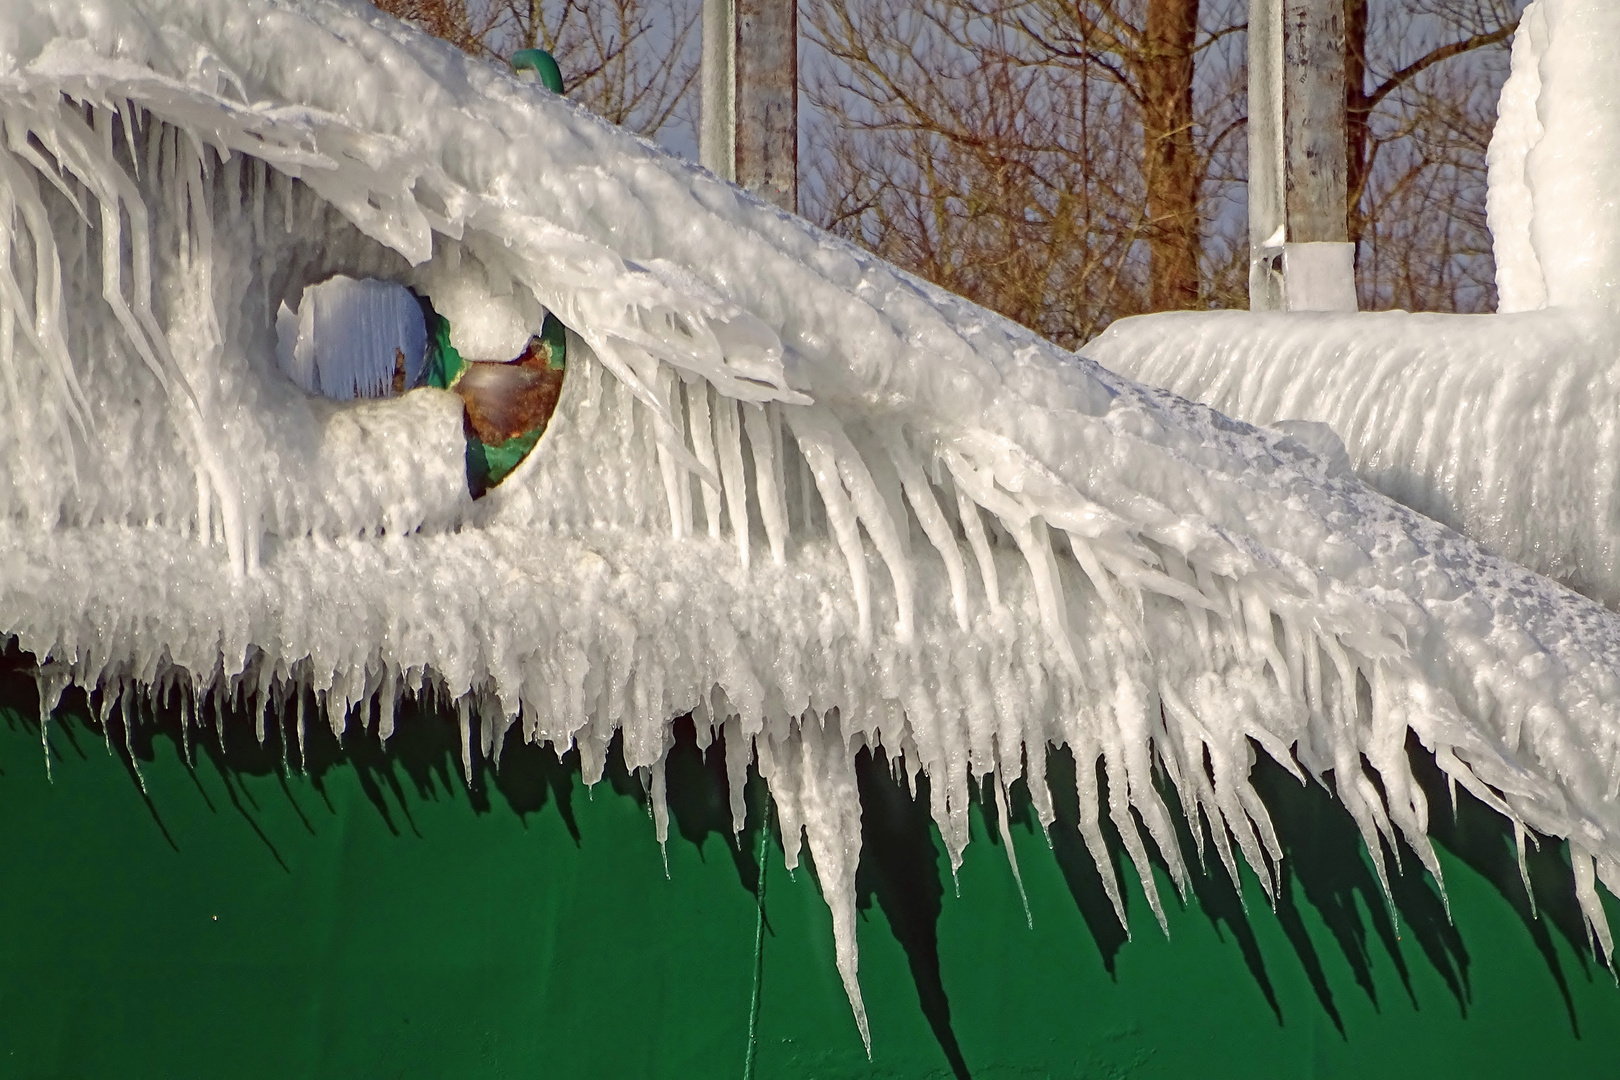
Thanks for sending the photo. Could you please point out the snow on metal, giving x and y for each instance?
(819, 504)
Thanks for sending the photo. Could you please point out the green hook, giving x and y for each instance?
(542, 64)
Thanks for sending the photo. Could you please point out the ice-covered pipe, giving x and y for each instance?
(1503, 426)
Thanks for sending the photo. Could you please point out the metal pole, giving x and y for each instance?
(1318, 260)
(1313, 107)
(1300, 258)
(1267, 175)
(717, 131)
(767, 100)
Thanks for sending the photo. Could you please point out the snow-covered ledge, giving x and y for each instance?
(1502, 426)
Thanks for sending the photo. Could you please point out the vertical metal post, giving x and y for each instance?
(1319, 262)
(717, 130)
(1313, 111)
(1267, 174)
(767, 100)
(1300, 255)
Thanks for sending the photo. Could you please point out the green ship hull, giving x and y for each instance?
(370, 915)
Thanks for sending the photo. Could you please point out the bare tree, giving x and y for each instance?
(940, 147)
(1044, 159)
(1467, 26)
(906, 98)
(1069, 162)
(1185, 92)
(634, 62)
(467, 26)
(1421, 88)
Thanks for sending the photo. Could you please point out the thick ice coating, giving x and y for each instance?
(818, 503)
(1554, 199)
(352, 339)
(1503, 426)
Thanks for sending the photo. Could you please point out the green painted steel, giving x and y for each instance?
(444, 363)
(373, 917)
(487, 465)
(543, 64)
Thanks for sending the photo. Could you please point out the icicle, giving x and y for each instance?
(637, 372)
(231, 179)
(822, 429)
(156, 131)
(1195, 740)
(841, 517)
(494, 723)
(44, 331)
(658, 797)
(807, 487)
(301, 694)
(172, 184)
(729, 437)
(815, 788)
(286, 183)
(767, 475)
(8, 325)
(90, 157)
(1034, 541)
(837, 463)
(1099, 578)
(932, 519)
(1119, 812)
(221, 476)
(115, 699)
(1089, 800)
(973, 526)
(1524, 869)
(464, 718)
(670, 425)
(697, 404)
(49, 683)
(185, 696)
(260, 179)
(40, 126)
(773, 414)
(1597, 923)
(738, 751)
(126, 117)
(1003, 805)
(387, 707)
(592, 761)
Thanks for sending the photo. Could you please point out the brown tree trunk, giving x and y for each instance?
(1170, 162)
(1357, 114)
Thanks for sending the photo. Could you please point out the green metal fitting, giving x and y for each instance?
(542, 64)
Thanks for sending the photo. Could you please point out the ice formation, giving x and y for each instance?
(351, 339)
(1554, 197)
(816, 502)
(1505, 427)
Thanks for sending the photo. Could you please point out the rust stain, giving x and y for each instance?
(505, 400)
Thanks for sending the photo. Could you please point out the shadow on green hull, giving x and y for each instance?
(902, 872)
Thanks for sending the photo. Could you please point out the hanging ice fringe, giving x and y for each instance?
(814, 501)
